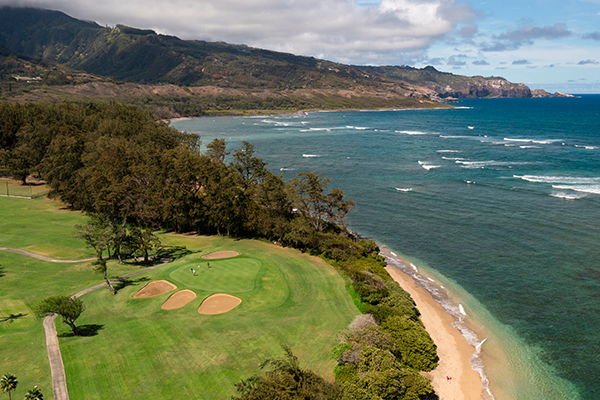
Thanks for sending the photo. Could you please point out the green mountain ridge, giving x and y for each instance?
(127, 55)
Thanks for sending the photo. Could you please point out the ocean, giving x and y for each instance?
(494, 206)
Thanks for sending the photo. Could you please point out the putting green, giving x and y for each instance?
(229, 275)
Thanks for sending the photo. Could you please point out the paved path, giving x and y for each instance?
(44, 258)
(57, 368)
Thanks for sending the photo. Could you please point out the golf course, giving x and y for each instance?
(161, 345)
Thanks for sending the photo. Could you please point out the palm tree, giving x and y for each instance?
(34, 394)
(8, 383)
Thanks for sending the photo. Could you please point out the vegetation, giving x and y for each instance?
(34, 394)
(134, 176)
(8, 383)
(78, 61)
(69, 308)
(286, 380)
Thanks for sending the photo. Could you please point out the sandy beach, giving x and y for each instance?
(453, 349)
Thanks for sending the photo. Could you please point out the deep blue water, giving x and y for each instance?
(499, 197)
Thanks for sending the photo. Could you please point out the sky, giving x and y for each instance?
(547, 44)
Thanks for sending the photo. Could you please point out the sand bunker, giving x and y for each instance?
(154, 289)
(220, 254)
(219, 303)
(179, 299)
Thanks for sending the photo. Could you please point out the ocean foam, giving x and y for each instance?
(413, 132)
(452, 158)
(287, 169)
(572, 180)
(449, 151)
(310, 155)
(593, 189)
(568, 196)
(455, 137)
(427, 165)
(471, 127)
(404, 189)
(461, 309)
(547, 141)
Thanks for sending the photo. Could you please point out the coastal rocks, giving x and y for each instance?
(482, 88)
(542, 93)
(560, 94)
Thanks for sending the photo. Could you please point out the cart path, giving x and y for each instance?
(57, 368)
(44, 258)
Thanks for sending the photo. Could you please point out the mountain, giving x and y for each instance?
(126, 55)
(450, 85)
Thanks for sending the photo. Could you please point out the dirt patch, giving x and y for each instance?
(179, 299)
(220, 254)
(219, 303)
(154, 289)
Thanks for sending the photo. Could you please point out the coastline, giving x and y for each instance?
(453, 349)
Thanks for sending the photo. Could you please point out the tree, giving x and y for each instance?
(142, 241)
(318, 208)
(34, 394)
(98, 235)
(8, 383)
(216, 150)
(414, 346)
(286, 381)
(69, 308)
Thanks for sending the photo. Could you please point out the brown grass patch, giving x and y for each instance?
(179, 299)
(219, 303)
(220, 254)
(154, 289)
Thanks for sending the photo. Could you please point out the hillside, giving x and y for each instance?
(256, 78)
(450, 85)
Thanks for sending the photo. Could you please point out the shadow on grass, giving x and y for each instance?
(84, 330)
(12, 317)
(1, 272)
(125, 282)
(173, 252)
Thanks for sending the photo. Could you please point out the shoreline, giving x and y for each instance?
(454, 351)
(267, 113)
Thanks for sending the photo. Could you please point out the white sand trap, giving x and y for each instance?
(178, 300)
(220, 254)
(154, 289)
(219, 303)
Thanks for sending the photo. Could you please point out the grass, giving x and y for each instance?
(41, 226)
(135, 349)
(15, 188)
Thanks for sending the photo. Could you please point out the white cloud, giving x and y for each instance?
(341, 30)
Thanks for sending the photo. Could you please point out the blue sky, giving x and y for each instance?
(549, 44)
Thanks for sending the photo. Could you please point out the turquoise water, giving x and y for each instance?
(498, 201)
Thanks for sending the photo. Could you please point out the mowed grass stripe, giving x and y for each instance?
(150, 352)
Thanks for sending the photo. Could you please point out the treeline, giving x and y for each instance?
(133, 174)
(118, 162)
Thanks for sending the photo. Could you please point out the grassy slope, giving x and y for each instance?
(142, 351)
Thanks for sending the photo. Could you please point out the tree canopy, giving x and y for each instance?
(68, 308)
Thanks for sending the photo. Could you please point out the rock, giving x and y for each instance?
(540, 93)
(560, 94)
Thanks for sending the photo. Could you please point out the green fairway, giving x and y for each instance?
(133, 348)
(41, 226)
